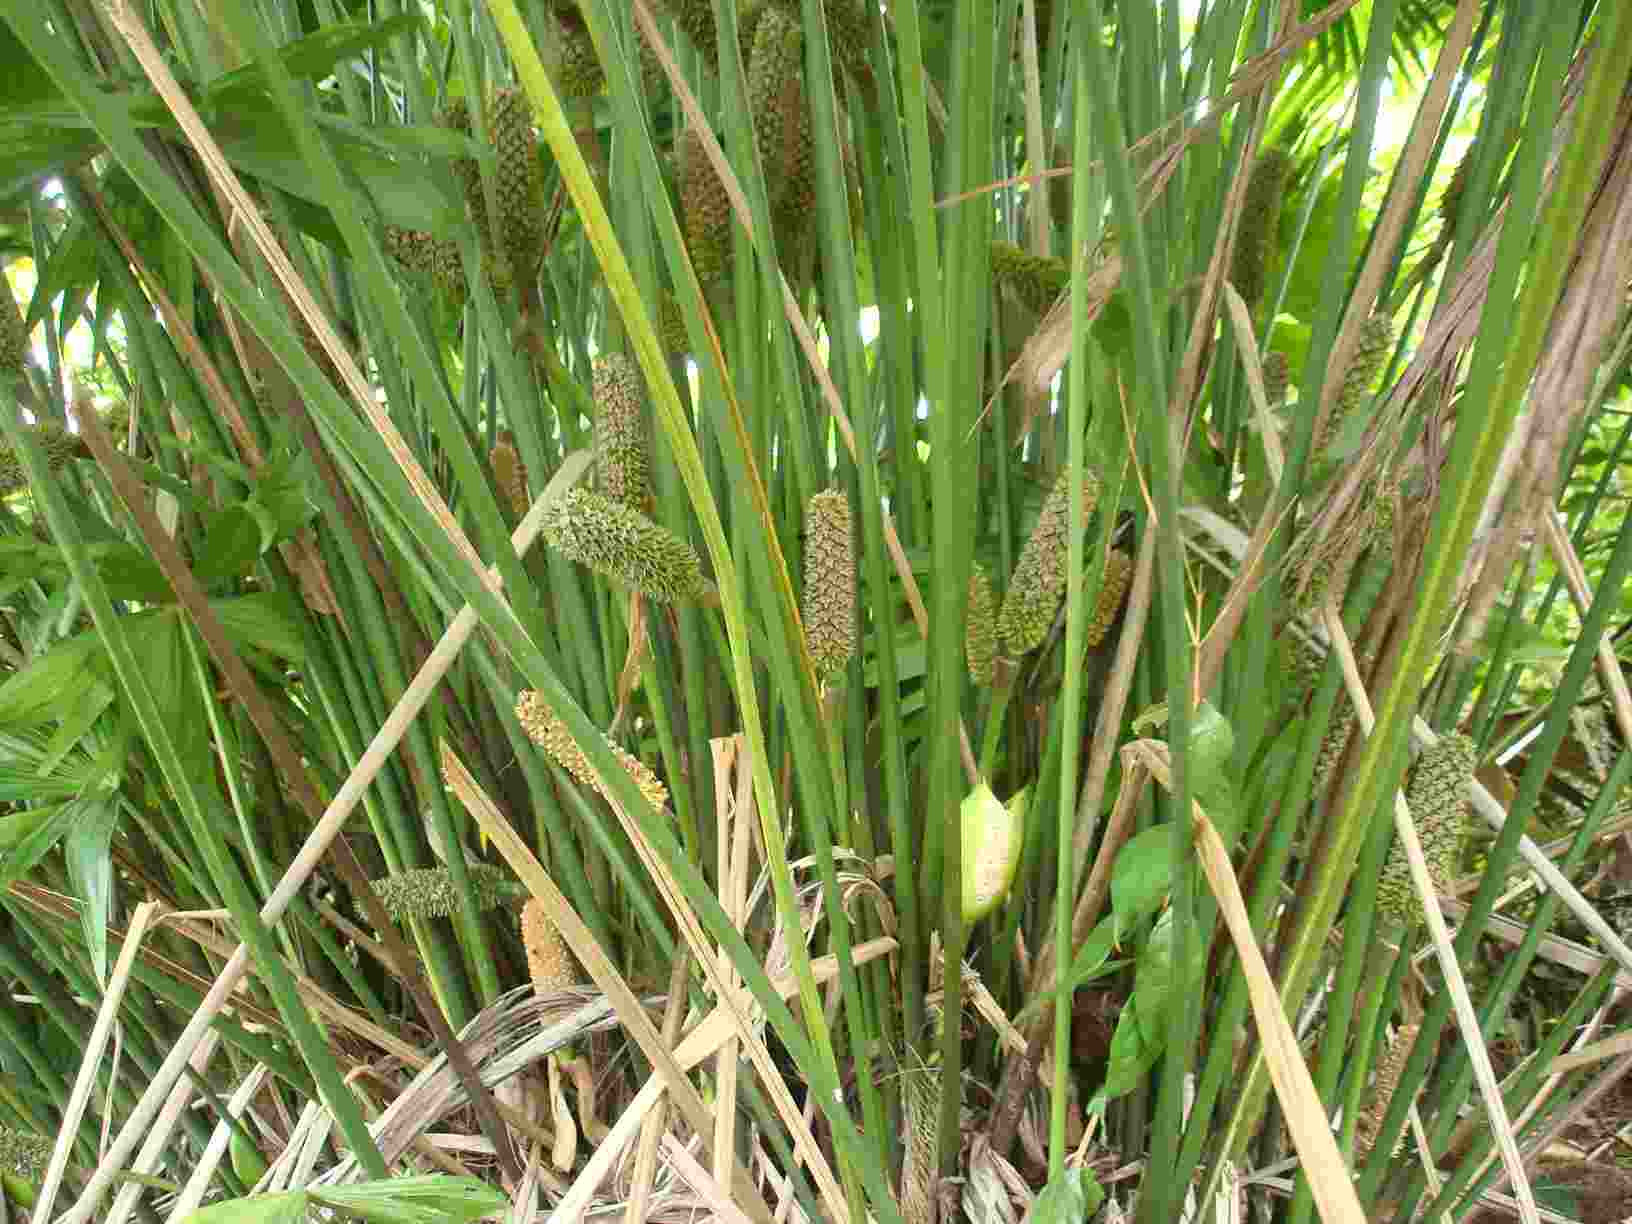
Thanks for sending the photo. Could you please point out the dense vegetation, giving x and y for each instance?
(759, 605)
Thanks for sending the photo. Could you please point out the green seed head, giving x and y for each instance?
(518, 181)
(620, 431)
(1450, 199)
(1389, 1069)
(578, 73)
(696, 21)
(13, 333)
(1039, 576)
(1339, 731)
(1036, 280)
(1277, 378)
(1118, 573)
(980, 627)
(848, 32)
(671, 326)
(776, 97)
(1260, 214)
(412, 249)
(707, 210)
(1376, 338)
(1438, 799)
(429, 892)
(829, 609)
(60, 446)
(546, 729)
(24, 1154)
(624, 545)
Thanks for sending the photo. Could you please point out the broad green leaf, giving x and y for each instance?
(265, 621)
(1304, 289)
(433, 1198)
(232, 542)
(1091, 962)
(1132, 1054)
(1140, 876)
(35, 694)
(90, 871)
(32, 148)
(1159, 981)
(1212, 750)
(255, 140)
(312, 57)
(129, 573)
(1068, 1199)
(27, 837)
(286, 1208)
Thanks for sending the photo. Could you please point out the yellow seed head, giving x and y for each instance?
(1036, 280)
(510, 474)
(620, 431)
(429, 892)
(830, 582)
(980, 627)
(1260, 214)
(549, 961)
(1118, 573)
(624, 545)
(1039, 576)
(547, 730)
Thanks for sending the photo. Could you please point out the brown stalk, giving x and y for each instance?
(191, 597)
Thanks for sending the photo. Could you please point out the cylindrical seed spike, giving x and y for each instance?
(620, 431)
(830, 583)
(624, 545)
(547, 730)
